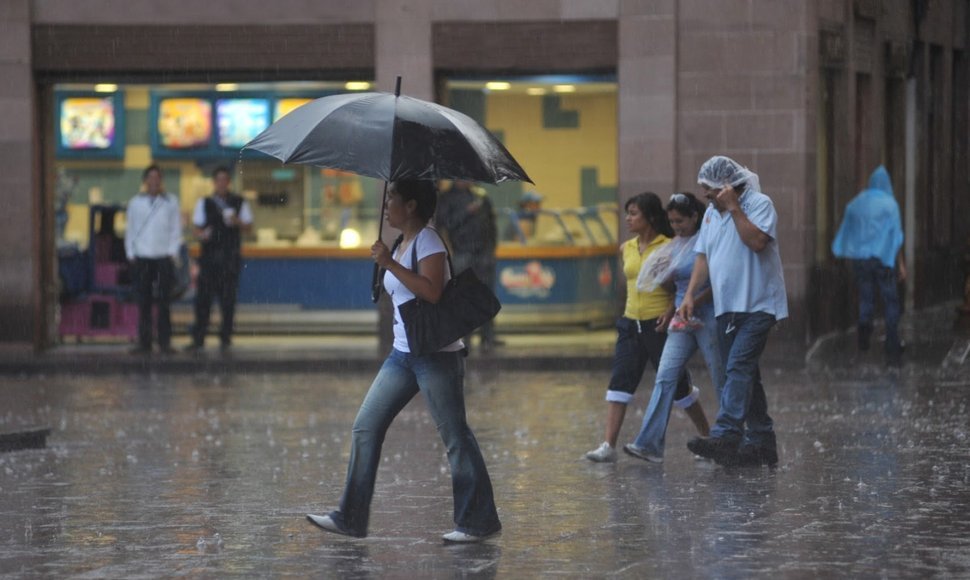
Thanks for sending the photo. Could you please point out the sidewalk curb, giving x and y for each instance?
(359, 362)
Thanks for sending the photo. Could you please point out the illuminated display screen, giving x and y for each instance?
(87, 123)
(240, 120)
(286, 106)
(184, 123)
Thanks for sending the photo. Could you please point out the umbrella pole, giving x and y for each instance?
(376, 285)
(376, 280)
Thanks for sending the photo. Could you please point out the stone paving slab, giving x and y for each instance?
(149, 475)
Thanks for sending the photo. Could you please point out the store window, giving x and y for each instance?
(107, 134)
(563, 130)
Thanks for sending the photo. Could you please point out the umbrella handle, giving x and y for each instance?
(376, 285)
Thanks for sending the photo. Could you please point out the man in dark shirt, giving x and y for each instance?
(467, 220)
(219, 220)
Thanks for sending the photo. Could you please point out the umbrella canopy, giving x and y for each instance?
(389, 137)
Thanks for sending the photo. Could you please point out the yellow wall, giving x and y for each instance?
(553, 157)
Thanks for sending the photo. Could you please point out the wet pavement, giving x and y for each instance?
(170, 474)
(205, 466)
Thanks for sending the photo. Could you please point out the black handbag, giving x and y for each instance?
(465, 304)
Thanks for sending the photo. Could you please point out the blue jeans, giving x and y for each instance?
(869, 275)
(743, 416)
(678, 350)
(440, 378)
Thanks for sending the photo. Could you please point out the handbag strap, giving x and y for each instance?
(155, 204)
(394, 247)
(414, 253)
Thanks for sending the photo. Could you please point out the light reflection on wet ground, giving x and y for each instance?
(169, 475)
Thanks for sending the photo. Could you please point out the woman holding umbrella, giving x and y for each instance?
(438, 376)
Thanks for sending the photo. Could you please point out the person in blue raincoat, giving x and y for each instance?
(871, 238)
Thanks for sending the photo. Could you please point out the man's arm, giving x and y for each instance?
(131, 215)
(198, 221)
(245, 218)
(750, 235)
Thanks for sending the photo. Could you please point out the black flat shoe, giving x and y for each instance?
(327, 523)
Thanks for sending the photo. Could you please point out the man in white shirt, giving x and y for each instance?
(737, 250)
(153, 236)
(219, 220)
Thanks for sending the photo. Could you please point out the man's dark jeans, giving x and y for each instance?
(872, 274)
(154, 279)
(743, 416)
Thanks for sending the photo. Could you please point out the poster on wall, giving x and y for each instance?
(184, 123)
(240, 120)
(89, 125)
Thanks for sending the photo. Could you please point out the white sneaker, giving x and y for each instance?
(640, 452)
(457, 537)
(602, 454)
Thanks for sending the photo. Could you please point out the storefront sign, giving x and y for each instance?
(530, 281)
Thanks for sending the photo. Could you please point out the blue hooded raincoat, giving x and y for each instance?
(871, 227)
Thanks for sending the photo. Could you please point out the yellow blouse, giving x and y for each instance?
(642, 305)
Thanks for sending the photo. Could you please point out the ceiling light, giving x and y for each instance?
(535, 91)
(226, 87)
(357, 85)
(564, 88)
(105, 87)
(498, 86)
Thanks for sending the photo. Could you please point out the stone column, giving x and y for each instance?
(647, 107)
(402, 48)
(20, 292)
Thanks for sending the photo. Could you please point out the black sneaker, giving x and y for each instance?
(757, 455)
(722, 451)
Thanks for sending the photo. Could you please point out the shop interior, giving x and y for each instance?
(563, 129)
(317, 223)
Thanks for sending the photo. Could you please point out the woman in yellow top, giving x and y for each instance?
(641, 332)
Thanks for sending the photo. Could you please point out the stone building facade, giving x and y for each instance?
(811, 94)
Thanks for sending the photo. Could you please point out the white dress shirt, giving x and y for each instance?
(154, 227)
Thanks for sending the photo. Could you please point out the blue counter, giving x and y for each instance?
(536, 285)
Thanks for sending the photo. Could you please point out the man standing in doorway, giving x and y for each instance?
(738, 252)
(219, 220)
(871, 237)
(153, 235)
